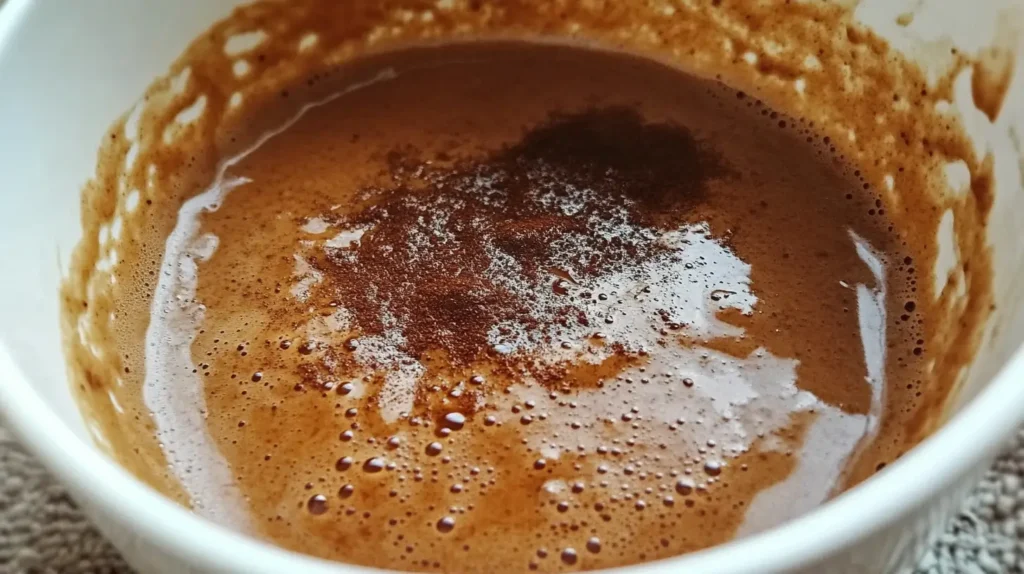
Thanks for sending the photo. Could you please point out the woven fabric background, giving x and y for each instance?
(41, 530)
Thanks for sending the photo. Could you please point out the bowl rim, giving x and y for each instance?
(955, 450)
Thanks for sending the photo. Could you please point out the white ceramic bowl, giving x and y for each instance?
(68, 69)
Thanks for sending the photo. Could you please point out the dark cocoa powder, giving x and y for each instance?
(443, 293)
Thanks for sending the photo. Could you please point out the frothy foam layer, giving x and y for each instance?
(562, 320)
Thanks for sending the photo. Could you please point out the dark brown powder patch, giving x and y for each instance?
(456, 255)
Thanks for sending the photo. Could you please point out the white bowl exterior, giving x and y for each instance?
(68, 69)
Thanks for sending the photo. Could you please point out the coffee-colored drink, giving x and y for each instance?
(504, 304)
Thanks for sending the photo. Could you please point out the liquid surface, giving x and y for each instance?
(481, 305)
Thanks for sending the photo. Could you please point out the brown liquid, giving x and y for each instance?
(519, 304)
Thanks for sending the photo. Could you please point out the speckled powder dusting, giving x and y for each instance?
(527, 305)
